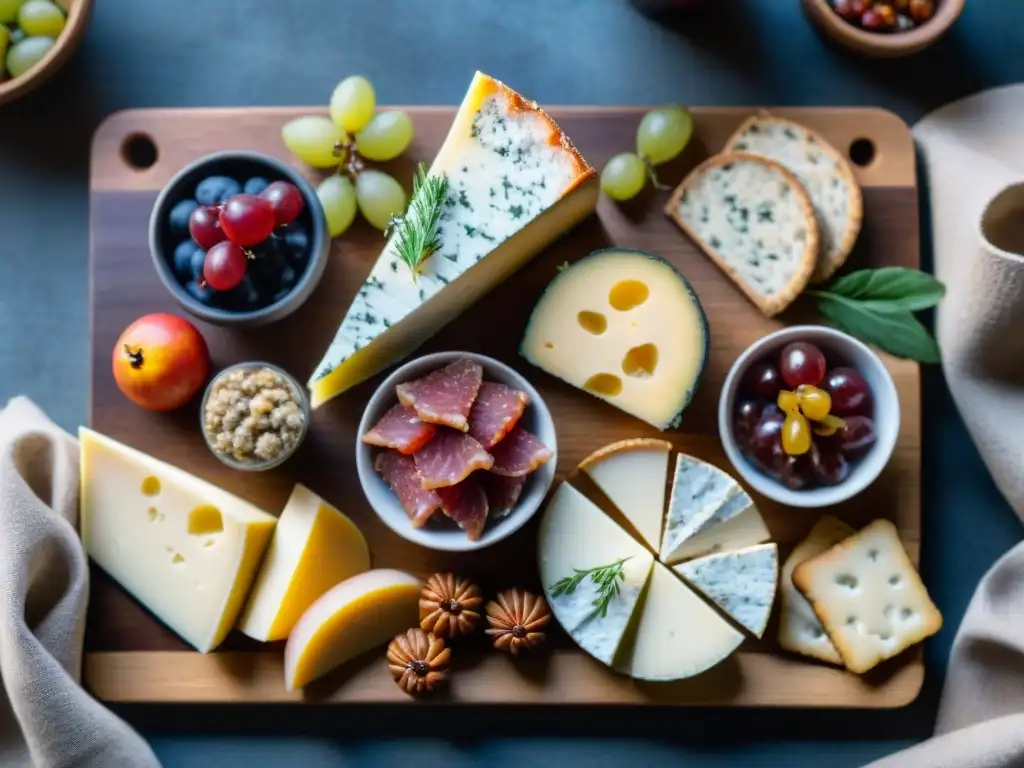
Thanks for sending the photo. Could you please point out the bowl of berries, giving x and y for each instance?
(884, 28)
(809, 416)
(239, 239)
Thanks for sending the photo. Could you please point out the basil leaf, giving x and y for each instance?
(901, 288)
(897, 332)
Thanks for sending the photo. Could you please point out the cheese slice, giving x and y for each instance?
(678, 635)
(515, 183)
(576, 536)
(736, 524)
(181, 546)
(698, 492)
(626, 327)
(742, 583)
(632, 474)
(314, 547)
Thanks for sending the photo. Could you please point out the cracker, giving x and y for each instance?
(868, 596)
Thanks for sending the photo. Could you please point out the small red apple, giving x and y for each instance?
(160, 361)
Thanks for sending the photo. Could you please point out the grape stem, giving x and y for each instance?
(349, 161)
(654, 175)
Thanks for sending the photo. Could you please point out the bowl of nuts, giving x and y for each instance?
(883, 28)
(254, 416)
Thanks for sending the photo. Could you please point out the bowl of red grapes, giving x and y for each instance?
(809, 416)
(239, 239)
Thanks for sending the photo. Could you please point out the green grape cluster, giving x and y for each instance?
(28, 30)
(353, 132)
(660, 137)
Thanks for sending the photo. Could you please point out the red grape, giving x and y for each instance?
(850, 393)
(801, 363)
(204, 226)
(764, 437)
(285, 200)
(856, 435)
(828, 464)
(247, 220)
(791, 471)
(225, 266)
(748, 414)
(763, 380)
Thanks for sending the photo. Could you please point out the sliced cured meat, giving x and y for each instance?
(496, 410)
(466, 504)
(399, 471)
(444, 396)
(502, 492)
(449, 458)
(400, 428)
(518, 454)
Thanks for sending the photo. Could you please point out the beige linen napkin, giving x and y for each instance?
(46, 719)
(972, 150)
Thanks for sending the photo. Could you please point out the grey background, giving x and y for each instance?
(140, 53)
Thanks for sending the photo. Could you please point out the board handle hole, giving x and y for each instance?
(139, 152)
(862, 152)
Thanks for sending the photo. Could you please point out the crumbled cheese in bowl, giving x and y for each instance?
(254, 416)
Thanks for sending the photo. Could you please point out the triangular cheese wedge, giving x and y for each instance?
(576, 536)
(698, 492)
(515, 183)
(741, 583)
(632, 474)
(678, 635)
(736, 524)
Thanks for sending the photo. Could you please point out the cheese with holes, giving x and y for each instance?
(632, 474)
(576, 536)
(351, 618)
(626, 327)
(736, 524)
(515, 183)
(678, 635)
(314, 547)
(699, 491)
(742, 583)
(181, 546)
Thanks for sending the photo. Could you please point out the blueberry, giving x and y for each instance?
(297, 239)
(245, 296)
(255, 185)
(182, 260)
(216, 189)
(178, 217)
(196, 264)
(287, 278)
(202, 294)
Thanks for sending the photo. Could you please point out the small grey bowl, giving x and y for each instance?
(240, 165)
(256, 466)
(449, 538)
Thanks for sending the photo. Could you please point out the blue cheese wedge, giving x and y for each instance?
(736, 524)
(822, 171)
(515, 183)
(575, 537)
(755, 221)
(742, 583)
(699, 490)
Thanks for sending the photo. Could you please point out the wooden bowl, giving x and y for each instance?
(77, 19)
(879, 44)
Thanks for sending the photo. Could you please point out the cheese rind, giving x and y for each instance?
(698, 491)
(576, 535)
(742, 583)
(515, 183)
(135, 517)
(314, 547)
(587, 329)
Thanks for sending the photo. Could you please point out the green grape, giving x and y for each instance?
(26, 54)
(9, 10)
(386, 137)
(312, 139)
(352, 104)
(663, 134)
(380, 197)
(5, 39)
(338, 199)
(624, 176)
(41, 18)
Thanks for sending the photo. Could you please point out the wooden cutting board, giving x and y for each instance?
(131, 656)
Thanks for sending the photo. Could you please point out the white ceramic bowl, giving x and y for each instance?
(440, 535)
(886, 415)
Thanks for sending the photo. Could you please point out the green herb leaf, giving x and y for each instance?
(416, 232)
(605, 577)
(891, 288)
(895, 330)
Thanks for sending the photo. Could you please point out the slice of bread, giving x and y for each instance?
(755, 221)
(822, 171)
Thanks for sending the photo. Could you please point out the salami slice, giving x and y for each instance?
(449, 458)
(400, 428)
(466, 504)
(444, 396)
(399, 471)
(519, 454)
(502, 492)
(496, 410)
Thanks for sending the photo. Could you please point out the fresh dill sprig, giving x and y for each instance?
(416, 232)
(605, 577)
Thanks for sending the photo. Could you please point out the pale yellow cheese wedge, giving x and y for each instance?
(314, 547)
(351, 618)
